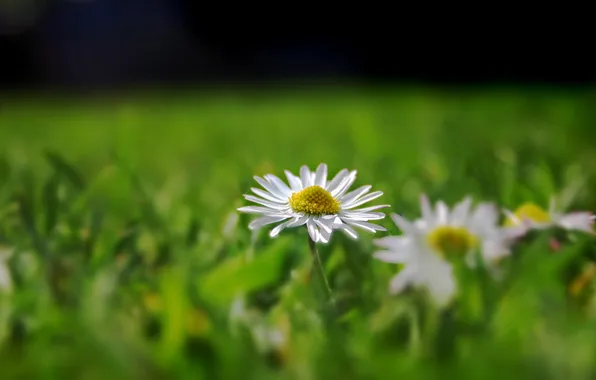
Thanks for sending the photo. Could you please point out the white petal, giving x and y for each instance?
(270, 188)
(442, 213)
(352, 195)
(371, 208)
(536, 225)
(394, 243)
(313, 232)
(403, 224)
(299, 220)
(493, 250)
(294, 181)
(268, 196)
(364, 199)
(334, 219)
(325, 235)
(323, 226)
(427, 212)
(336, 180)
(349, 231)
(365, 225)
(514, 232)
(356, 215)
(511, 216)
(461, 212)
(265, 220)
(305, 176)
(275, 232)
(421, 224)
(344, 185)
(329, 222)
(321, 175)
(281, 186)
(485, 214)
(260, 210)
(392, 257)
(582, 221)
(440, 281)
(275, 206)
(401, 280)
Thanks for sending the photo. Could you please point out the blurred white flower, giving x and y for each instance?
(312, 200)
(430, 244)
(532, 216)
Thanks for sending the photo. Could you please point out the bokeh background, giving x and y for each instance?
(102, 43)
(129, 131)
(105, 43)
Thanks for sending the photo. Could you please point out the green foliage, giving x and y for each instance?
(128, 259)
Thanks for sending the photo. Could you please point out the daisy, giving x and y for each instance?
(312, 200)
(531, 216)
(430, 245)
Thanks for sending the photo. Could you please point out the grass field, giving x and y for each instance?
(128, 258)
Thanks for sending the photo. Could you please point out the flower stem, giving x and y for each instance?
(317, 262)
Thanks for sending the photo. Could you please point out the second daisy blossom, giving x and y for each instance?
(431, 243)
(311, 199)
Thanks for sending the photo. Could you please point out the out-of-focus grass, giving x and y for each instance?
(129, 260)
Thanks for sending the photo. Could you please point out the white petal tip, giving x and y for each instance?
(377, 255)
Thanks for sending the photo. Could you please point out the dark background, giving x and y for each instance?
(107, 43)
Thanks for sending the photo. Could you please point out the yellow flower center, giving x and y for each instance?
(314, 200)
(449, 240)
(529, 211)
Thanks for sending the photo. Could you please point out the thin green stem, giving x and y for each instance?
(319, 264)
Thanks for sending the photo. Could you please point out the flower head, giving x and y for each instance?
(430, 245)
(312, 200)
(531, 216)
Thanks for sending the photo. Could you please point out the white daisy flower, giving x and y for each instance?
(532, 216)
(312, 200)
(429, 245)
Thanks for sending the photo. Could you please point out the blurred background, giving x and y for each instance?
(104, 43)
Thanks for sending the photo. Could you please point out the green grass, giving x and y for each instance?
(130, 261)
